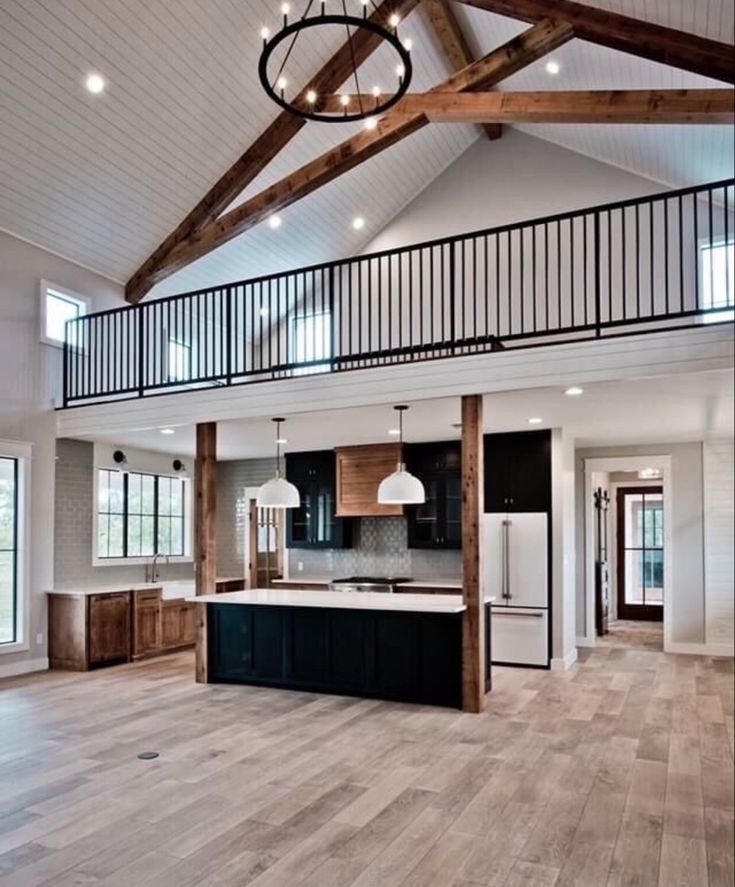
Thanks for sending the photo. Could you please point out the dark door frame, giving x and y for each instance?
(646, 612)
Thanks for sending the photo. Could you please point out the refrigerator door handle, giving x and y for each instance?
(506, 560)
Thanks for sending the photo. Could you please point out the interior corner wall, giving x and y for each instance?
(512, 179)
(719, 542)
(687, 533)
(29, 376)
(564, 601)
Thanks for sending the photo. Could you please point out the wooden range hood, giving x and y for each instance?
(359, 473)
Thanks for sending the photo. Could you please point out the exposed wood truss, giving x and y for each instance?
(269, 144)
(702, 106)
(644, 39)
(449, 32)
(483, 74)
(463, 97)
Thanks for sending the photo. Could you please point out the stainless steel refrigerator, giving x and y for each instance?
(516, 572)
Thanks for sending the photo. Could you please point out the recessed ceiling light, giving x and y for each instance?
(553, 67)
(535, 420)
(394, 432)
(281, 441)
(95, 83)
(358, 223)
(574, 391)
(275, 222)
(167, 431)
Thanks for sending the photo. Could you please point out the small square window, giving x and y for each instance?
(57, 307)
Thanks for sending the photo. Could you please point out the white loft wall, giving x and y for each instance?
(719, 529)
(516, 178)
(687, 554)
(29, 379)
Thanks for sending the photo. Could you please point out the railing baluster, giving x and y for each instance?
(598, 295)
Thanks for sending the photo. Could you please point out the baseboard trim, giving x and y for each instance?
(565, 663)
(724, 650)
(25, 666)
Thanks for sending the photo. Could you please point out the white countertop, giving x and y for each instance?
(175, 589)
(325, 580)
(340, 600)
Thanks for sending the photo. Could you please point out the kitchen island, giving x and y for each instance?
(405, 647)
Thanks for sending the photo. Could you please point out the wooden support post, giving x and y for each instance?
(473, 490)
(205, 513)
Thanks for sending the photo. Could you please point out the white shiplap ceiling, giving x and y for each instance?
(103, 179)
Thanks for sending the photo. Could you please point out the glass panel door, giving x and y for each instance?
(8, 550)
(640, 553)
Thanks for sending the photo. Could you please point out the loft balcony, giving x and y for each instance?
(648, 265)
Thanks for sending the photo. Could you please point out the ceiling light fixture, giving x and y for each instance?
(358, 223)
(535, 420)
(278, 492)
(274, 222)
(401, 487)
(574, 391)
(371, 123)
(167, 431)
(287, 47)
(649, 474)
(553, 67)
(95, 83)
(394, 432)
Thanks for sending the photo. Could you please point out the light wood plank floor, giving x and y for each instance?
(617, 772)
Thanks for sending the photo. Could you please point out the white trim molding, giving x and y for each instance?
(23, 452)
(24, 666)
(565, 663)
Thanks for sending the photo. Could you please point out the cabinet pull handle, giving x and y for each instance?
(496, 612)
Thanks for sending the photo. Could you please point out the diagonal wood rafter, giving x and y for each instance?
(615, 31)
(701, 106)
(528, 47)
(269, 144)
(449, 32)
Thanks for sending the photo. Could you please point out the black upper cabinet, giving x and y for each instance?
(518, 472)
(438, 522)
(314, 525)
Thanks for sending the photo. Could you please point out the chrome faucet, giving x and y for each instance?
(153, 573)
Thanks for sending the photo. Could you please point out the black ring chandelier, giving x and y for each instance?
(308, 103)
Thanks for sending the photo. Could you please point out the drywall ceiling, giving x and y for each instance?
(103, 179)
(668, 409)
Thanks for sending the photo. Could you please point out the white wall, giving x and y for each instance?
(29, 378)
(516, 178)
(719, 529)
(687, 612)
(564, 561)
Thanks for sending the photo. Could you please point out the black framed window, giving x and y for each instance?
(140, 515)
(8, 550)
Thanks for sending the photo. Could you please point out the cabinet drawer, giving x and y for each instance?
(519, 637)
(148, 597)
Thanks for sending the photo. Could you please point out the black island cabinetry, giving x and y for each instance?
(403, 656)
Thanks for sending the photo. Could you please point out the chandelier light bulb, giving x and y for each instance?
(265, 33)
(400, 70)
(394, 20)
(344, 100)
(311, 96)
(282, 83)
(408, 44)
(376, 91)
(371, 123)
(285, 8)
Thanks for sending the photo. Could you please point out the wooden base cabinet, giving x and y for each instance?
(161, 626)
(89, 631)
(178, 624)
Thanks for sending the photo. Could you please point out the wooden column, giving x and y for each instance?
(205, 541)
(473, 490)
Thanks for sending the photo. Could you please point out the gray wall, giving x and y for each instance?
(688, 624)
(29, 379)
(233, 478)
(73, 517)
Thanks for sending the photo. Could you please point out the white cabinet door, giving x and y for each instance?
(519, 637)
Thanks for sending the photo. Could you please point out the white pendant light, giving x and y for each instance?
(401, 487)
(278, 492)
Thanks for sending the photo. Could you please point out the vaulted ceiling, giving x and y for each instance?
(104, 179)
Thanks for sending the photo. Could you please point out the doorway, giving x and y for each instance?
(640, 553)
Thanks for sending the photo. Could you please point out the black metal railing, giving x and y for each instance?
(643, 265)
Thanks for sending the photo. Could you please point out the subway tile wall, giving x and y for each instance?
(73, 516)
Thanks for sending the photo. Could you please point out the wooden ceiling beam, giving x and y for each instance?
(656, 43)
(528, 47)
(269, 144)
(444, 23)
(700, 106)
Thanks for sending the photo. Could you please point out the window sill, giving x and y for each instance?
(16, 647)
(140, 561)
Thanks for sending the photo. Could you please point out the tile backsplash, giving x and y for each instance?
(380, 549)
